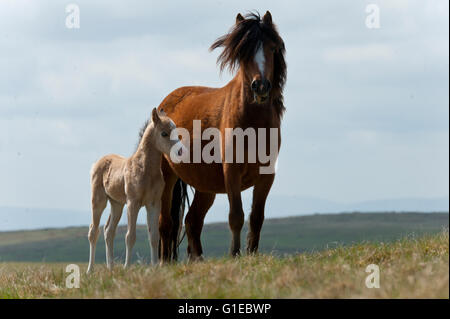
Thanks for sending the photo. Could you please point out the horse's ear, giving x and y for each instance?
(267, 19)
(155, 116)
(161, 112)
(239, 18)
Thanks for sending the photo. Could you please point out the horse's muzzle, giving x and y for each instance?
(260, 99)
(261, 89)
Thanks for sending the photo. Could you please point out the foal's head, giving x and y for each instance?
(162, 127)
(254, 45)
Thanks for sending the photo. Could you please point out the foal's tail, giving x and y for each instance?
(179, 199)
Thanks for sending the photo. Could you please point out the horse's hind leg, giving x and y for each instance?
(260, 192)
(194, 222)
(99, 201)
(130, 237)
(166, 223)
(110, 231)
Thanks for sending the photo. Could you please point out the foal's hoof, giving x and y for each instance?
(164, 262)
(196, 258)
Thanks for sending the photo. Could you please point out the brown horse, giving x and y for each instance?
(252, 99)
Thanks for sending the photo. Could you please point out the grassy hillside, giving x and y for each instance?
(409, 268)
(279, 236)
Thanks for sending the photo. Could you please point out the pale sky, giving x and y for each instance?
(367, 109)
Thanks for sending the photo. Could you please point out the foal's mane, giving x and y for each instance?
(240, 45)
(142, 131)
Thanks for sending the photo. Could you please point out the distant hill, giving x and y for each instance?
(18, 218)
(279, 236)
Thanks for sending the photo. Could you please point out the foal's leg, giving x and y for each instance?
(130, 238)
(236, 215)
(99, 201)
(110, 231)
(153, 210)
(194, 222)
(260, 192)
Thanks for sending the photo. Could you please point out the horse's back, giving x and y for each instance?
(108, 172)
(181, 96)
(106, 162)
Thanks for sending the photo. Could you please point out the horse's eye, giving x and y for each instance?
(273, 49)
(164, 134)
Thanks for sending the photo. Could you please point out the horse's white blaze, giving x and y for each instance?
(260, 59)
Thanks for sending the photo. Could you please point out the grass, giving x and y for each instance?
(412, 267)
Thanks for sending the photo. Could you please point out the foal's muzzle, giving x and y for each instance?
(261, 89)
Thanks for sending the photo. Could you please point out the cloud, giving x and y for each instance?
(358, 54)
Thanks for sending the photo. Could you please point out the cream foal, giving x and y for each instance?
(136, 182)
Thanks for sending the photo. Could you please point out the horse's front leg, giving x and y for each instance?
(110, 231)
(232, 174)
(153, 210)
(260, 192)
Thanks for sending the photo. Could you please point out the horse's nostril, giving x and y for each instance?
(254, 85)
(180, 151)
(266, 86)
(261, 86)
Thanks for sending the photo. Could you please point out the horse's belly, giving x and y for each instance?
(209, 178)
(203, 177)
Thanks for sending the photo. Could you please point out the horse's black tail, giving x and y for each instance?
(179, 199)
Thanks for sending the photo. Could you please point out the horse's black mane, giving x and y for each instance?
(241, 43)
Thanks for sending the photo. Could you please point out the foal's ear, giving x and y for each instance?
(239, 18)
(155, 116)
(267, 19)
(161, 112)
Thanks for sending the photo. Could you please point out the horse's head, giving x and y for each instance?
(163, 139)
(255, 46)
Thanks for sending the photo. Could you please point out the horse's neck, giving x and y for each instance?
(147, 152)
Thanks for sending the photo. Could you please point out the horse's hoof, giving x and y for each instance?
(236, 254)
